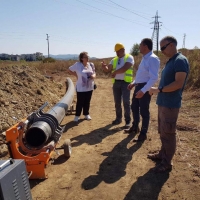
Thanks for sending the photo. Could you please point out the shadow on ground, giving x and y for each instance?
(34, 182)
(59, 160)
(94, 137)
(147, 186)
(113, 167)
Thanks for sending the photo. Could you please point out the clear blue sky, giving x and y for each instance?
(93, 25)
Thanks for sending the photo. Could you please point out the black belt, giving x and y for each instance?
(140, 84)
(118, 80)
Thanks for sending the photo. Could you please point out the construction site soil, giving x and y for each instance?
(105, 163)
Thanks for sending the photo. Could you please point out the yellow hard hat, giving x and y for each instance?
(119, 46)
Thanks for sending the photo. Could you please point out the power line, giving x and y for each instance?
(106, 3)
(128, 10)
(151, 7)
(111, 13)
(170, 30)
(78, 6)
(117, 6)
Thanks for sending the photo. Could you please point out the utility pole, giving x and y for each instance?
(48, 43)
(155, 35)
(184, 41)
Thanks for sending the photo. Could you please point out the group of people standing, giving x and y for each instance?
(172, 82)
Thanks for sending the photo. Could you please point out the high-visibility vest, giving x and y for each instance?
(128, 74)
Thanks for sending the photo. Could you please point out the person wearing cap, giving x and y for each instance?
(170, 89)
(146, 77)
(121, 68)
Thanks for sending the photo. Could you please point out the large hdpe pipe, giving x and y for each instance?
(41, 130)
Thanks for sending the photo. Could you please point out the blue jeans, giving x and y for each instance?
(141, 107)
(120, 93)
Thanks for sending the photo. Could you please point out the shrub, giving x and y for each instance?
(135, 50)
(49, 60)
(194, 75)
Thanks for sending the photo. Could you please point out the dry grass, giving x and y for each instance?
(194, 76)
(49, 68)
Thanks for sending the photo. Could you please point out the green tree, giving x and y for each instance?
(135, 50)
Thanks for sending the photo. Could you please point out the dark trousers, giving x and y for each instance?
(141, 107)
(83, 102)
(167, 118)
(121, 93)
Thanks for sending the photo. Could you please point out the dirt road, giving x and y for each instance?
(107, 165)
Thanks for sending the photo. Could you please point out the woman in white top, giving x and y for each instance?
(85, 73)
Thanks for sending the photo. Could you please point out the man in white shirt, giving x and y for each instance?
(146, 77)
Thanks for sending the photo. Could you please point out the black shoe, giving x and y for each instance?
(117, 121)
(141, 137)
(132, 130)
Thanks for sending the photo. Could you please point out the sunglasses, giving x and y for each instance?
(165, 46)
(85, 56)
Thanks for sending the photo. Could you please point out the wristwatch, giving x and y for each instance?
(160, 89)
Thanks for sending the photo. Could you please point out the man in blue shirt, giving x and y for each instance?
(146, 76)
(172, 82)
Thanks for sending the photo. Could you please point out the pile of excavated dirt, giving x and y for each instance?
(23, 90)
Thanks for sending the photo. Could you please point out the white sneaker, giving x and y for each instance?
(88, 117)
(76, 118)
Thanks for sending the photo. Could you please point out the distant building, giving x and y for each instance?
(27, 57)
(15, 57)
(5, 56)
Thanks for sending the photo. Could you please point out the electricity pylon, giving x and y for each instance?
(155, 35)
(48, 44)
(184, 41)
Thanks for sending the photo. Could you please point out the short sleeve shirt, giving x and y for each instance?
(178, 63)
(84, 83)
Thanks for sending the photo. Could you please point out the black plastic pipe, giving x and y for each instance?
(46, 125)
